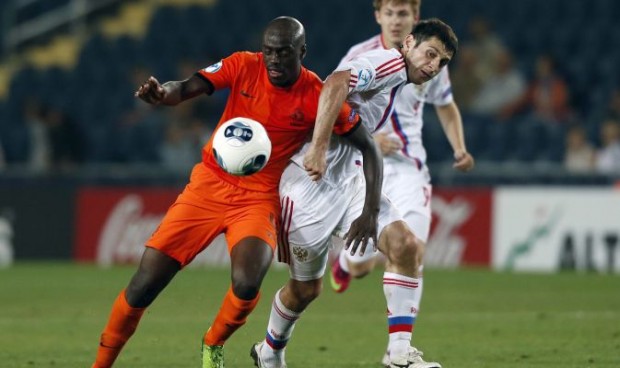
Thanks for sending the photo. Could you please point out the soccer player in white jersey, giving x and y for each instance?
(406, 179)
(313, 211)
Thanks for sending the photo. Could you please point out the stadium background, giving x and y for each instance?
(72, 133)
(87, 172)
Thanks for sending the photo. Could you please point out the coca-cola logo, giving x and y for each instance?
(129, 225)
(125, 231)
(445, 246)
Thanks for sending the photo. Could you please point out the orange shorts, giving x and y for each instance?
(210, 206)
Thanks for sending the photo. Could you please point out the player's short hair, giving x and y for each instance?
(433, 27)
(414, 3)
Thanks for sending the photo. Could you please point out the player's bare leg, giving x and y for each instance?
(155, 272)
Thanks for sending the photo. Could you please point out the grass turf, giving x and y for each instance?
(51, 315)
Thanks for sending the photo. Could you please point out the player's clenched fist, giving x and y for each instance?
(315, 163)
(151, 91)
(463, 161)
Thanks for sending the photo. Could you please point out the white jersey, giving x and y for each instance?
(405, 123)
(377, 77)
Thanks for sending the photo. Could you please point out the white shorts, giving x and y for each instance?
(314, 211)
(409, 190)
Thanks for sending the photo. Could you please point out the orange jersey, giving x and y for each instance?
(288, 114)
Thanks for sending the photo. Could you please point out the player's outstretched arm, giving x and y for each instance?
(172, 92)
(333, 95)
(452, 125)
(365, 226)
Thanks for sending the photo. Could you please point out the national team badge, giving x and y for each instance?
(300, 254)
(214, 68)
(298, 115)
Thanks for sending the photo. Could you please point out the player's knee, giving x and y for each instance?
(246, 282)
(407, 248)
(306, 292)
(246, 289)
(404, 247)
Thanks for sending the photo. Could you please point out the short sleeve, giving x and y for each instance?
(223, 73)
(375, 70)
(362, 73)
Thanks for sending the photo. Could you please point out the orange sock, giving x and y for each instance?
(121, 325)
(231, 316)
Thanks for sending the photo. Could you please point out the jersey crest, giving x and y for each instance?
(297, 117)
(214, 68)
(363, 78)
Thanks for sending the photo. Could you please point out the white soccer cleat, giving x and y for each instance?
(413, 359)
(385, 361)
(416, 361)
(401, 361)
(259, 362)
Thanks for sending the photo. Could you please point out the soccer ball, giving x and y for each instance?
(241, 146)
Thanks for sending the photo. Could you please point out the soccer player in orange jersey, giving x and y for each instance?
(271, 87)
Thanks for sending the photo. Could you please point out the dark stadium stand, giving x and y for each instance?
(98, 91)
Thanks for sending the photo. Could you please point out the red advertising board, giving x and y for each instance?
(114, 223)
(461, 228)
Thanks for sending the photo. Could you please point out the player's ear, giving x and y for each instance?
(303, 51)
(377, 17)
(409, 42)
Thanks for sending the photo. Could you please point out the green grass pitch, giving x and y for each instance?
(51, 315)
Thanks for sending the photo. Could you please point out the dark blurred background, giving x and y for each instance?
(536, 81)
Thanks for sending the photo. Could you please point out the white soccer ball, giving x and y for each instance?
(241, 146)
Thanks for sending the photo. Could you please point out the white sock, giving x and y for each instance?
(343, 260)
(400, 295)
(279, 330)
(417, 299)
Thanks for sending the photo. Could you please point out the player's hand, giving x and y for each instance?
(151, 92)
(387, 145)
(362, 230)
(463, 161)
(315, 163)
